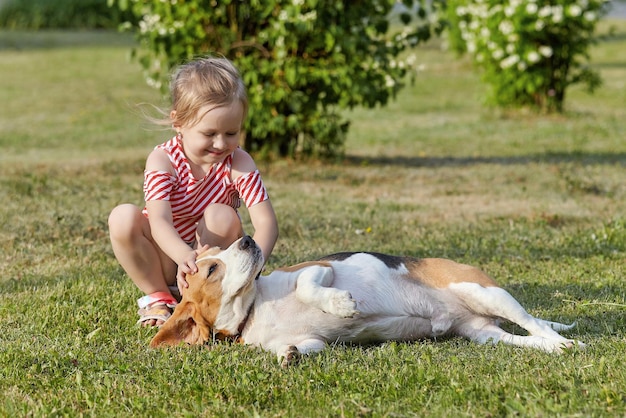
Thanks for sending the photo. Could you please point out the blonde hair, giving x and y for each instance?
(209, 81)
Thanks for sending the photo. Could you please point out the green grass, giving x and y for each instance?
(536, 201)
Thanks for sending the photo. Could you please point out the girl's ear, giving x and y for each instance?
(175, 123)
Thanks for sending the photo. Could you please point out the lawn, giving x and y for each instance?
(535, 201)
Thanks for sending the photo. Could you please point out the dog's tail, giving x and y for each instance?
(557, 326)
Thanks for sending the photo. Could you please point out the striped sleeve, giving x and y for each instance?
(251, 189)
(157, 185)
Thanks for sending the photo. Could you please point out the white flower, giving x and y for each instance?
(497, 54)
(509, 61)
(546, 51)
(495, 9)
(590, 16)
(506, 27)
(545, 11)
(574, 10)
(533, 57)
(557, 13)
(539, 25)
(522, 66)
(531, 8)
(510, 48)
(389, 82)
(312, 15)
(153, 83)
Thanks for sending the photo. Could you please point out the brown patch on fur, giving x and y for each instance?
(193, 318)
(303, 265)
(440, 273)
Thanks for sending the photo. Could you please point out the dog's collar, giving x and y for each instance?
(244, 322)
(222, 336)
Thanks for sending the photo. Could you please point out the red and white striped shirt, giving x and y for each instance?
(189, 197)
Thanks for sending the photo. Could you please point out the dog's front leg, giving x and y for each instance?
(290, 354)
(312, 288)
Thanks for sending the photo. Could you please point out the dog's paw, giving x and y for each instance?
(289, 357)
(341, 304)
(571, 344)
(562, 346)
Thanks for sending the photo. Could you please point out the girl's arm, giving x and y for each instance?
(163, 232)
(265, 226)
(161, 220)
(262, 214)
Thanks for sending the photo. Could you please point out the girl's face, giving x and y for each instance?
(215, 136)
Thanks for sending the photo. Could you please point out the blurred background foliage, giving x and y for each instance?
(61, 14)
(305, 62)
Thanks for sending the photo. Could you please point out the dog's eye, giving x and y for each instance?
(212, 269)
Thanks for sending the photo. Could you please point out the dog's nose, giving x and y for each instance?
(246, 242)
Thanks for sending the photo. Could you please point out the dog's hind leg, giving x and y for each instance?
(312, 288)
(496, 302)
(484, 330)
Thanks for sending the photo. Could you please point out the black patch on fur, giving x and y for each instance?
(391, 261)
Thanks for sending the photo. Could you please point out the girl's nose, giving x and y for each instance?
(219, 141)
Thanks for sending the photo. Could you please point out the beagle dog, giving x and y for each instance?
(346, 297)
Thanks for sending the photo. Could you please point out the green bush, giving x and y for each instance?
(60, 14)
(303, 61)
(530, 51)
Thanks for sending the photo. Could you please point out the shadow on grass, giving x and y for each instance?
(610, 65)
(584, 158)
(592, 307)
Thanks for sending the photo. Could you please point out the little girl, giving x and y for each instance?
(193, 185)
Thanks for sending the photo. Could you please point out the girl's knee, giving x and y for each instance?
(219, 216)
(220, 223)
(124, 219)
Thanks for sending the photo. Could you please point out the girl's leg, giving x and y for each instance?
(219, 227)
(147, 266)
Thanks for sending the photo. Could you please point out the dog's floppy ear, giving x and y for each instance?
(181, 327)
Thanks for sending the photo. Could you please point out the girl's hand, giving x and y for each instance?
(188, 266)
